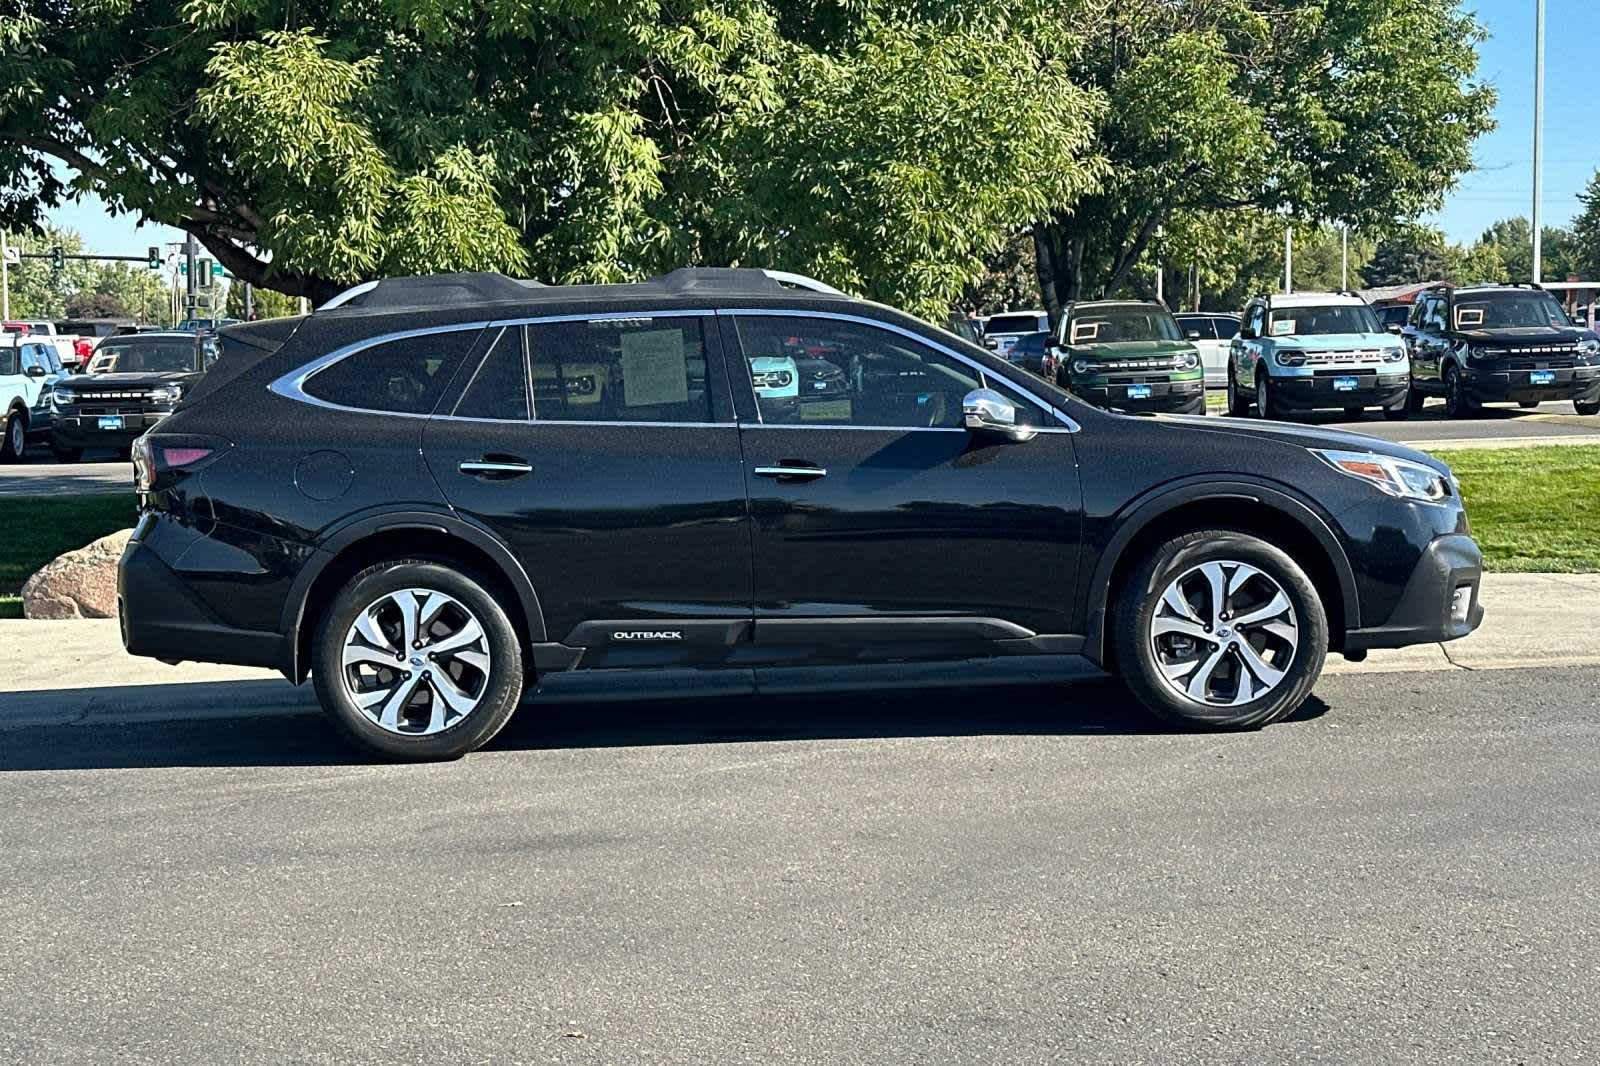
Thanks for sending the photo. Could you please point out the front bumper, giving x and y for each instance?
(160, 617)
(1184, 395)
(1440, 601)
(1313, 391)
(73, 429)
(1491, 385)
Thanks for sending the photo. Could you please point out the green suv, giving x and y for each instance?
(1128, 355)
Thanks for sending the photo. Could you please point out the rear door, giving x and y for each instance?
(880, 525)
(604, 451)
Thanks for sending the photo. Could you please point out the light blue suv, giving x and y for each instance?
(1316, 350)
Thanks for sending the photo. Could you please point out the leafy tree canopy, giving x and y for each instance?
(1350, 111)
(886, 145)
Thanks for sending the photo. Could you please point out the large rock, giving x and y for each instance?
(79, 584)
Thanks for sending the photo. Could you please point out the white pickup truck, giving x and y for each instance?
(66, 345)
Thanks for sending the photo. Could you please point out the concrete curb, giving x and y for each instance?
(1532, 621)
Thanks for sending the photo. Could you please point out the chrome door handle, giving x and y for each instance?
(493, 468)
(806, 472)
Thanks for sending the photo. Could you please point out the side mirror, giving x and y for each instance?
(986, 411)
(35, 371)
(991, 342)
(1394, 327)
(1192, 334)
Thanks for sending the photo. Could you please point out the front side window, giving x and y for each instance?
(1198, 329)
(1256, 314)
(831, 372)
(1227, 328)
(1331, 318)
(33, 356)
(644, 369)
(406, 375)
(1433, 313)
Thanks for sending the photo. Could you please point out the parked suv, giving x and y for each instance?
(1211, 334)
(149, 374)
(29, 368)
(1311, 350)
(1128, 355)
(1500, 342)
(412, 496)
(1002, 331)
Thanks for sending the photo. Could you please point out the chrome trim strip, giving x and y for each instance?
(791, 471)
(494, 468)
(779, 312)
(534, 423)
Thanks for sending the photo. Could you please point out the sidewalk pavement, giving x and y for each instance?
(74, 672)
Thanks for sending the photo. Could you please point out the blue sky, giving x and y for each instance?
(1500, 187)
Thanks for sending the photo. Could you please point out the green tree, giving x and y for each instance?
(1009, 281)
(265, 303)
(886, 145)
(1354, 111)
(1586, 232)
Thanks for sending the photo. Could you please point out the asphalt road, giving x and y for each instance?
(40, 475)
(1405, 874)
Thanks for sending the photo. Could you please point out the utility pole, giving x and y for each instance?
(1288, 259)
(5, 276)
(1160, 299)
(249, 302)
(1344, 258)
(1538, 137)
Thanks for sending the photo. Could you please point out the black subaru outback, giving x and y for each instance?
(432, 492)
(1499, 342)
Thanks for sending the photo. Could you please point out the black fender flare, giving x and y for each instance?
(1140, 514)
(443, 522)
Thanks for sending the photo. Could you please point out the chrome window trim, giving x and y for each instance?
(1068, 425)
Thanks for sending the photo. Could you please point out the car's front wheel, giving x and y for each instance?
(1266, 406)
(1591, 407)
(1457, 402)
(14, 442)
(416, 660)
(1219, 629)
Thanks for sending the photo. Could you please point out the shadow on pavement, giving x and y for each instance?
(283, 735)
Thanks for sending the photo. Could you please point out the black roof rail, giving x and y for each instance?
(717, 279)
(427, 290)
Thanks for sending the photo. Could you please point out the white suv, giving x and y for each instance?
(29, 369)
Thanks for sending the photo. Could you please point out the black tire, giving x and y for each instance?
(1238, 403)
(66, 455)
(502, 685)
(1400, 410)
(14, 438)
(1138, 600)
(1589, 407)
(1527, 405)
(1354, 413)
(1266, 406)
(1457, 404)
(1415, 398)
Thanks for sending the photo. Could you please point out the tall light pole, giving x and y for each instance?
(1538, 137)
(1344, 258)
(1288, 258)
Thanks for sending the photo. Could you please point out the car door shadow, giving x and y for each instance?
(269, 723)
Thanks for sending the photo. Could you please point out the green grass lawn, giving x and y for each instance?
(1533, 509)
(39, 528)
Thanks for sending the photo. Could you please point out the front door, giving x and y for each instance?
(880, 525)
(604, 451)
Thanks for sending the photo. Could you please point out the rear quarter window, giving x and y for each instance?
(406, 375)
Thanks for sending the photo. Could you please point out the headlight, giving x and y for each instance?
(166, 394)
(1186, 361)
(60, 397)
(1477, 352)
(1395, 477)
(1590, 348)
(1289, 358)
(1393, 355)
(1080, 366)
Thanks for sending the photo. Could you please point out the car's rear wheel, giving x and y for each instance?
(14, 444)
(1415, 399)
(416, 660)
(1354, 412)
(1238, 402)
(1220, 630)
(1591, 407)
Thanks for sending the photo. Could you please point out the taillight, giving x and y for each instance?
(159, 457)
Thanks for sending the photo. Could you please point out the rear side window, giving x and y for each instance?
(1199, 329)
(406, 375)
(645, 369)
(8, 362)
(1227, 328)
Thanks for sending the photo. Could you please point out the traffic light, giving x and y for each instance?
(155, 258)
(202, 269)
(57, 258)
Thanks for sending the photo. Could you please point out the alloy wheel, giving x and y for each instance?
(1261, 395)
(18, 436)
(416, 662)
(1224, 633)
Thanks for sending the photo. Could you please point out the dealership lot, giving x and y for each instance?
(1401, 874)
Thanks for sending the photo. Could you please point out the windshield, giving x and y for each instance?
(1113, 325)
(1508, 310)
(1334, 318)
(1011, 324)
(156, 357)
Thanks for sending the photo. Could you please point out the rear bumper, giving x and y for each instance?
(1440, 601)
(1489, 385)
(162, 619)
(1310, 393)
